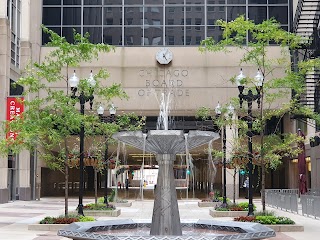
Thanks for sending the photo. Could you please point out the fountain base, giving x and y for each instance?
(203, 229)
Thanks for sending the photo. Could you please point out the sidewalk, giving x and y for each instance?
(16, 216)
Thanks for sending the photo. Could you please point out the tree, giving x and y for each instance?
(51, 117)
(274, 146)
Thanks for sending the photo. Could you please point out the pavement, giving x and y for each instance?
(15, 217)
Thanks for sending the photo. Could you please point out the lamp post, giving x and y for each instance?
(250, 98)
(112, 111)
(74, 82)
(230, 112)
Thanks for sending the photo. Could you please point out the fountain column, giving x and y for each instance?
(165, 218)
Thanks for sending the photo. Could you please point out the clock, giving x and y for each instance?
(164, 56)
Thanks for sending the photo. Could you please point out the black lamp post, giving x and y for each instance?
(74, 82)
(112, 111)
(250, 98)
(230, 112)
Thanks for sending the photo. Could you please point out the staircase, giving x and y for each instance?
(306, 18)
(306, 24)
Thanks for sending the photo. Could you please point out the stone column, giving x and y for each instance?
(24, 176)
(165, 218)
(231, 133)
(4, 79)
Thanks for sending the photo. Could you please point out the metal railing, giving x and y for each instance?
(284, 199)
(310, 205)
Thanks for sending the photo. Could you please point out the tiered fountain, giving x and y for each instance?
(166, 219)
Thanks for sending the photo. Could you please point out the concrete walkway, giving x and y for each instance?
(16, 216)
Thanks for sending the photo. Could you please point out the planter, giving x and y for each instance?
(120, 204)
(102, 213)
(285, 227)
(46, 227)
(215, 213)
(209, 204)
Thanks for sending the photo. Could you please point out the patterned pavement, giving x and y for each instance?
(16, 216)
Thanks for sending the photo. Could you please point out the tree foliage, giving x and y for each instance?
(51, 118)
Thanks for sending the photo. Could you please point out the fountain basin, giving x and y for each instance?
(202, 229)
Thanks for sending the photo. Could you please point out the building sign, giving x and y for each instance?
(164, 81)
(15, 108)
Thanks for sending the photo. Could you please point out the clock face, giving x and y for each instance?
(164, 56)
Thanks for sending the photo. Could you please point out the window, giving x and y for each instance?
(14, 21)
(148, 21)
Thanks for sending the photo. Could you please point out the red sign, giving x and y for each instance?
(15, 108)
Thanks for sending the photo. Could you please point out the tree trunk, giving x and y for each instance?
(234, 185)
(66, 189)
(95, 186)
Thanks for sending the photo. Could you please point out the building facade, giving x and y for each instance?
(138, 29)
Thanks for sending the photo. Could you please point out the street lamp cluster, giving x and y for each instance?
(250, 98)
(228, 115)
(74, 83)
(112, 111)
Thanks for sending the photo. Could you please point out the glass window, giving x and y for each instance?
(279, 13)
(211, 21)
(92, 2)
(195, 33)
(154, 35)
(133, 2)
(174, 36)
(51, 16)
(132, 36)
(15, 89)
(236, 1)
(215, 33)
(92, 16)
(112, 36)
(133, 16)
(67, 32)
(195, 1)
(158, 2)
(195, 14)
(210, 8)
(95, 34)
(258, 14)
(114, 13)
(257, 1)
(233, 12)
(174, 2)
(72, 2)
(113, 2)
(51, 2)
(45, 36)
(177, 15)
(71, 16)
(278, 1)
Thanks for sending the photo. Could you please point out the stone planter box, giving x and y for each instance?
(215, 213)
(102, 213)
(209, 204)
(120, 204)
(46, 227)
(286, 228)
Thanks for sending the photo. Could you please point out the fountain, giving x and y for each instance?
(165, 222)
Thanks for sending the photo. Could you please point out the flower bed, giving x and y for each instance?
(100, 209)
(231, 210)
(56, 223)
(278, 224)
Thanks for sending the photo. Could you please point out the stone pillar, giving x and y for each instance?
(24, 176)
(231, 133)
(4, 79)
(165, 218)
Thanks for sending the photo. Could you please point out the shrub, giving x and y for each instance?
(264, 213)
(66, 220)
(270, 220)
(245, 206)
(99, 206)
(48, 220)
(245, 219)
(273, 220)
(86, 219)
